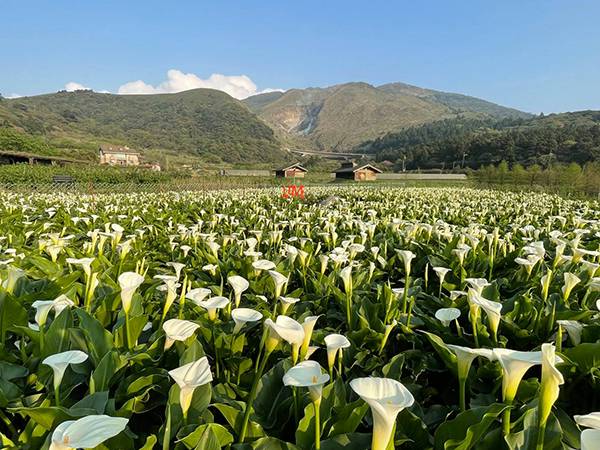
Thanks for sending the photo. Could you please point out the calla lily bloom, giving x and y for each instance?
(212, 304)
(346, 276)
(447, 315)
(386, 397)
(178, 267)
(59, 363)
(263, 264)
(464, 360)
(129, 282)
(242, 316)
(514, 365)
(574, 330)
(279, 281)
(178, 330)
(407, 256)
(550, 388)
(441, 272)
(188, 377)
(308, 325)
(571, 280)
(492, 310)
(239, 285)
(286, 302)
(335, 344)
(43, 308)
(590, 440)
(87, 432)
(85, 263)
(591, 420)
(479, 284)
(307, 374)
(197, 295)
(287, 329)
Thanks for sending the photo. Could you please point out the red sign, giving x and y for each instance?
(293, 191)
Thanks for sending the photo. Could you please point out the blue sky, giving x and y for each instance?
(536, 55)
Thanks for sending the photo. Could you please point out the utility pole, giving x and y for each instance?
(404, 163)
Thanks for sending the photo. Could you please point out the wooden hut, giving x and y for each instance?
(293, 171)
(350, 171)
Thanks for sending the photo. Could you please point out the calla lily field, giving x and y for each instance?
(355, 318)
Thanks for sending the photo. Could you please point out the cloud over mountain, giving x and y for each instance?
(238, 86)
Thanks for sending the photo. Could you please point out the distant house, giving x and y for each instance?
(350, 171)
(293, 171)
(118, 156)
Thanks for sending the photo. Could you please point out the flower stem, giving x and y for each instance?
(540, 436)
(349, 311)
(127, 343)
(251, 396)
(167, 436)
(506, 422)
(474, 326)
(317, 405)
(405, 294)
(462, 385)
(57, 395)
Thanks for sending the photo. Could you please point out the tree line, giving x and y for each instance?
(473, 143)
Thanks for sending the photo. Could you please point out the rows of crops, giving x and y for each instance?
(357, 318)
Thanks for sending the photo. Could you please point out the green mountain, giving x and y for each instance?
(340, 117)
(200, 125)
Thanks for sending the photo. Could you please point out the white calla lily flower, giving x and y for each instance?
(308, 325)
(242, 316)
(335, 344)
(591, 420)
(188, 377)
(197, 295)
(279, 281)
(129, 282)
(212, 304)
(307, 374)
(87, 432)
(386, 397)
(447, 315)
(590, 440)
(263, 264)
(178, 330)
(573, 328)
(59, 363)
(550, 386)
(85, 263)
(239, 285)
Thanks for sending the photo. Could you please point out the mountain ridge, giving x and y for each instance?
(343, 116)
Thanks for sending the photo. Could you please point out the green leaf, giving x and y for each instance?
(234, 418)
(101, 376)
(99, 340)
(96, 402)
(57, 335)
(352, 441)
(12, 313)
(150, 442)
(198, 437)
(9, 371)
(464, 431)
(271, 443)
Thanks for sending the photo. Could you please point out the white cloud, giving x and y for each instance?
(238, 86)
(13, 96)
(72, 86)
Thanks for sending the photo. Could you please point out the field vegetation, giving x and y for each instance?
(359, 317)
